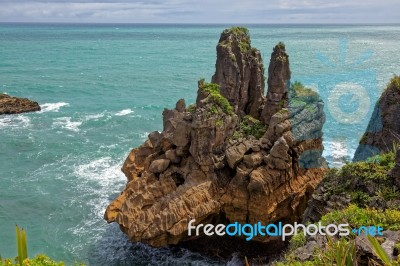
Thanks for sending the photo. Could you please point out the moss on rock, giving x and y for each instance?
(214, 95)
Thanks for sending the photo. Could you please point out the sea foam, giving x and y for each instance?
(14, 121)
(124, 112)
(66, 123)
(52, 107)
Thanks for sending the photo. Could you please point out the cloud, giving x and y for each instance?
(206, 11)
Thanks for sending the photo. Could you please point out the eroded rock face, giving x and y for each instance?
(203, 166)
(14, 105)
(278, 83)
(384, 127)
(240, 72)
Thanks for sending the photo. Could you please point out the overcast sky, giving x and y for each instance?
(201, 11)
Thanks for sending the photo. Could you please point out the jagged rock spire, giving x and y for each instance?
(240, 72)
(278, 83)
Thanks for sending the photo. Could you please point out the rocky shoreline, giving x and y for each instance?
(240, 155)
(235, 155)
(14, 105)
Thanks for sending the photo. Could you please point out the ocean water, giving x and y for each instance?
(102, 89)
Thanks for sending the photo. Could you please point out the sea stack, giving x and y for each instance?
(14, 105)
(239, 71)
(233, 156)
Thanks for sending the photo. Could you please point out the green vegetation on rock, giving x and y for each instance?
(365, 181)
(191, 108)
(298, 240)
(342, 252)
(371, 191)
(282, 57)
(281, 45)
(239, 31)
(249, 126)
(357, 217)
(214, 96)
(395, 81)
(242, 35)
(300, 92)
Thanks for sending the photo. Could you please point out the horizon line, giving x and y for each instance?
(206, 23)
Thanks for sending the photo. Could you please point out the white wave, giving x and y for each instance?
(337, 153)
(124, 112)
(14, 121)
(52, 107)
(104, 170)
(97, 178)
(144, 135)
(94, 116)
(66, 123)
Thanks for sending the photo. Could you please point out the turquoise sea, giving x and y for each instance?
(102, 89)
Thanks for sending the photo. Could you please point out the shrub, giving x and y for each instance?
(39, 260)
(242, 36)
(250, 126)
(356, 217)
(297, 241)
(22, 258)
(214, 96)
(191, 108)
(299, 91)
(360, 198)
(364, 181)
(281, 45)
(395, 81)
(341, 253)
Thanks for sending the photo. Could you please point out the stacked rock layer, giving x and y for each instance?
(234, 156)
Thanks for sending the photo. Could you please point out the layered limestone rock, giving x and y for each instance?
(14, 105)
(240, 72)
(278, 82)
(216, 163)
(384, 126)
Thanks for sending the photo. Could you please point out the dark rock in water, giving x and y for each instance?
(14, 105)
(217, 162)
(384, 127)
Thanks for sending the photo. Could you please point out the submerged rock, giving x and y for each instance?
(217, 162)
(14, 105)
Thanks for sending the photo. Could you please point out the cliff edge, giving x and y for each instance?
(384, 126)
